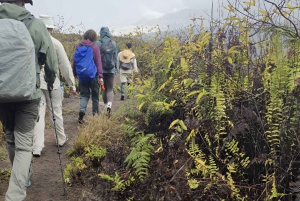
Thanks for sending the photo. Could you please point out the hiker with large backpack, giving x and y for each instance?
(108, 49)
(87, 67)
(25, 47)
(65, 69)
(127, 66)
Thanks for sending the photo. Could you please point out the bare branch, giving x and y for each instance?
(280, 11)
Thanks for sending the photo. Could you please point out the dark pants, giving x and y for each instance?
(108, 93)
(18, 120)
(86, 89)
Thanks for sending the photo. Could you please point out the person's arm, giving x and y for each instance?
(135, 68)
(64, 65)
(97, 60)
(73, 64)
(118, 61)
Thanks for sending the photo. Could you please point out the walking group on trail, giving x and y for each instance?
(31, 63)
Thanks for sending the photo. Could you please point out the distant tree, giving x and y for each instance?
(282, 15)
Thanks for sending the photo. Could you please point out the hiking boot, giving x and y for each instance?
(122, 97)
(67, 138)
(81, 121)
(81, 115)
(36, 153)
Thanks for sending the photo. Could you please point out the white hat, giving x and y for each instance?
(48, 21)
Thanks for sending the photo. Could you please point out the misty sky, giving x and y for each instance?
(112, 13)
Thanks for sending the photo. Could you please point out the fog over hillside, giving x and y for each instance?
(174, 23)
(174, 20)
(169, 21)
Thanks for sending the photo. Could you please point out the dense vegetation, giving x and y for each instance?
(213, 114)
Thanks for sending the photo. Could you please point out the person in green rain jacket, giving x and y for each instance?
(19, 118)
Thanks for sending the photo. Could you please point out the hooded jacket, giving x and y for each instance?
(41, 39)
(96, 54)
(104, 37)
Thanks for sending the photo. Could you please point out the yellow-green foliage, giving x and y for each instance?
(95, 154)
(233, 111)
(74, 169)
(119, 183)
(175, 84)
(204, 167)
(278, 83)
(185, 77)
(4, 174)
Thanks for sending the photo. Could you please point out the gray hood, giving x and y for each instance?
(104, 34)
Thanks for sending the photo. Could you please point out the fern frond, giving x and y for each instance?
(140, 156)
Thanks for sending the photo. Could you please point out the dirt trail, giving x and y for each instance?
(46, 179)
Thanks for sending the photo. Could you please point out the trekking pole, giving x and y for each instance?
(58, 150)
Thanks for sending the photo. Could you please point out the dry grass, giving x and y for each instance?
(98, 130)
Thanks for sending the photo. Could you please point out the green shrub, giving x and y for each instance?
(4, 174)
(74, 169)
(95, 155)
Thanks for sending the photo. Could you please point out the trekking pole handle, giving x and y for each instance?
(50, 87)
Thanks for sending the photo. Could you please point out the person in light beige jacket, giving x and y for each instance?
(127, 66)
(64, 67)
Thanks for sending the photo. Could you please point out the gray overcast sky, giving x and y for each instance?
(112, 13)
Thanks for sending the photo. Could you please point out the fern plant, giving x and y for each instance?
(74, 169)
(95, 154)
(140, 155)
(120, 185)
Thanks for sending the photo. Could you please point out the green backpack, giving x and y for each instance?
(17, 61)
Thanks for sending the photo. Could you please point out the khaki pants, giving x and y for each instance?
(126, 78)
(39, 130)
(18, 121)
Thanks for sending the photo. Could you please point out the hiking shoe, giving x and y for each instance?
(36, 153)
(28, 184)
(108, 107)
(81, 115)
(67, 138)
(108, 110)
(81, 121)
(95, 113)
(122, 97)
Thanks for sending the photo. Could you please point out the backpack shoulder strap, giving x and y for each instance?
(27, 21)
(99, 43)
(105, 41)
